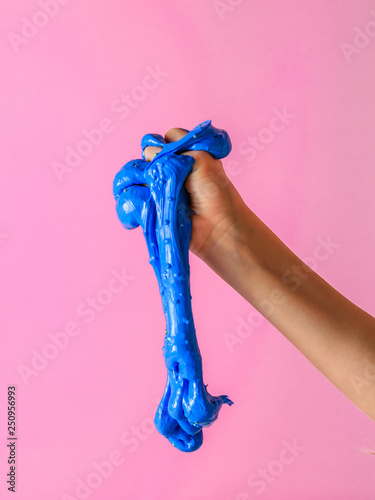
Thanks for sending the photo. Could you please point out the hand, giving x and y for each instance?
(216, 204)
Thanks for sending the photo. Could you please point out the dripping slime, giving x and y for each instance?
(152, 195)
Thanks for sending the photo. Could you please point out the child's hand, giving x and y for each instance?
(333, 333)
(216, 204)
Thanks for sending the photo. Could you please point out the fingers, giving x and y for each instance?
(173, 135)
(150, 152)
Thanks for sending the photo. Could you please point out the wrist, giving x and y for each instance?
(231, 254)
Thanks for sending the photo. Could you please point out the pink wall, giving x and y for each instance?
(238, 63)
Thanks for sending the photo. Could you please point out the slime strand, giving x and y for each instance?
(152, 195)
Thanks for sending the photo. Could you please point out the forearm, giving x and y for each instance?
(334, 334)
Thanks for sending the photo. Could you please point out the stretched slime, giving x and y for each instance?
(152, 195)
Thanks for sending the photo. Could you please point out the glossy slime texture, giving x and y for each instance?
(152, 195)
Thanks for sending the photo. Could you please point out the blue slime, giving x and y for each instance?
(152, 195)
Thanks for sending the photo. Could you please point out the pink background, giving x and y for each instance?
(60, 241)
